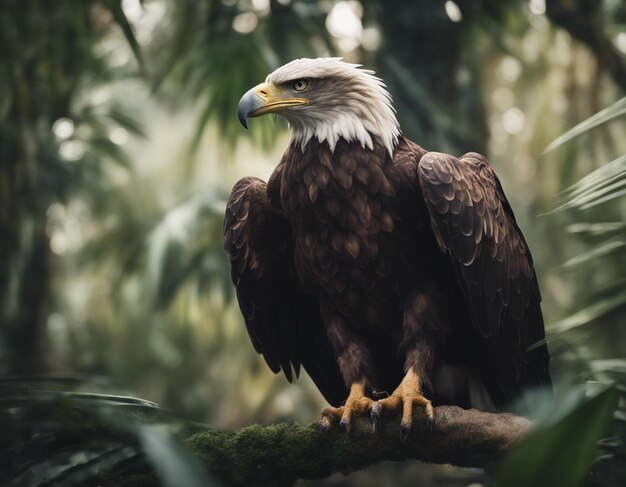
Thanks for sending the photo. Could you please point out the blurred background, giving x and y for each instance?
(119, 144)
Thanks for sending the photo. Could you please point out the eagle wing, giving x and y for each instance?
(284, 323)
(474, 224)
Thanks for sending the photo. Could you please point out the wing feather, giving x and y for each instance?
(474, 224)
(284, 324)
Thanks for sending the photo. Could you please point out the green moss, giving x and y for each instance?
(272, 455)
(277, 455)
(211, 446)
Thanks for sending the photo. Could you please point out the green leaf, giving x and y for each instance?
(601, 185)
(127, 30)
(181, 242)
(108, 148)
(610, 365)
(588, 314)
(615, 110)
(608, 197)
(599, 177)
(595, 252)
(124, 120)
(171, 458)
(596, 228)
(561, 454)
(590, 198)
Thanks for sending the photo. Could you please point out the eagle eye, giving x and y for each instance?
(300, 85)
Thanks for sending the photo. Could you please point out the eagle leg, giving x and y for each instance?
(407, 396)
(356, 404)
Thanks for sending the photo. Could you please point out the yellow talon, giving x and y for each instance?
(357, 403)
(406, 396)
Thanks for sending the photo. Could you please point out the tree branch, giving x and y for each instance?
(277, 455)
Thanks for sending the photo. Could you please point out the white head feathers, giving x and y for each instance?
(345, 101)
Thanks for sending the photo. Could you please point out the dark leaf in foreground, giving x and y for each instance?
(561, 454)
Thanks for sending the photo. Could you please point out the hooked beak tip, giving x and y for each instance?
(249, 103)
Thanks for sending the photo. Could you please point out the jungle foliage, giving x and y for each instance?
(119, 144)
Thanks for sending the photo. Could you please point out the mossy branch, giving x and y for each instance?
(277, 455)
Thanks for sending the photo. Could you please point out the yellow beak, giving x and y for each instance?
(265, 98)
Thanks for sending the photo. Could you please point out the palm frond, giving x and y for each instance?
(596, 228)
(615, 110)
(617, 365)
(595, 252)
(601, 185)
(127, 29)
(72, 438)
(600, 176)
(588, 314)
(184, 244)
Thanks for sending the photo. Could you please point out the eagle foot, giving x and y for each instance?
(357, 404)
(406, 397)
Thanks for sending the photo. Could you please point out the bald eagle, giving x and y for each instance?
(376, 265)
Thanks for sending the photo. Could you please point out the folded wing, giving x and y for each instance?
(474, 224)
(284, 323)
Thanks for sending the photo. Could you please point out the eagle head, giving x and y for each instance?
(327, 99)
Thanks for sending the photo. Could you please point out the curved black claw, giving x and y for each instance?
(405, 431)
(380, 394)
(346, 426)
(324, 427)
(375, 416)
(428, 424)
(326, 423)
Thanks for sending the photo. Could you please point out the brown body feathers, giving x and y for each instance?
(358, 266)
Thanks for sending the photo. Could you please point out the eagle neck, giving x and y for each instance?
(334, 149)
(317, 151)
(366, 126)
